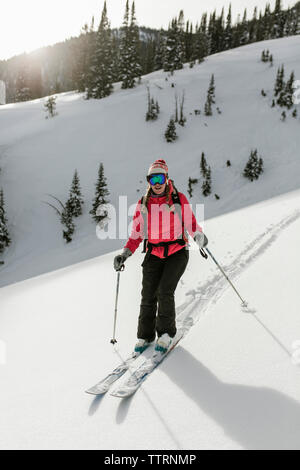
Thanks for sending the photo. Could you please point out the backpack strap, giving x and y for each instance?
(176, 201)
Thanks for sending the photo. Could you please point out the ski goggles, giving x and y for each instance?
(157, 178)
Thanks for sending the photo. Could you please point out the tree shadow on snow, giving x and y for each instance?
(255, 417)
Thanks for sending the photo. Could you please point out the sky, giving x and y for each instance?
(31, 24)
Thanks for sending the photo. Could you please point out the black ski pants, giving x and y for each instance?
(160, 279)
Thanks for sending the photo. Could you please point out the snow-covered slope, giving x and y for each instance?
(39, 156)
(230, 384)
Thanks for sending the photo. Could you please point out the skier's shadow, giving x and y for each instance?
(255, 417)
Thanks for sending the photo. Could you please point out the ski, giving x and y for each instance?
(103, 386)
(132, 384)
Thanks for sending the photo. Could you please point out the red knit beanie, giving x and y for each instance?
(159, 166)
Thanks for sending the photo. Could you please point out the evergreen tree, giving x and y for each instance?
(170, 134)
(50, 107)
(244, 38)
(278, 21)
(228, 31)
(135, 45)
(159, 52)
(130, 67)
(173, 49)
(66, 218)
(5, 240)
(289, 91)
(67, 221)
(100, 199)
(254, 166)
(203, 165)
(210, 97)
(80, 67)
(253, 27)
(206, 185)
(181, 39)
(75, 201)
(279, 84)
(102, 83)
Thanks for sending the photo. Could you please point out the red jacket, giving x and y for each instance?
(164, 225)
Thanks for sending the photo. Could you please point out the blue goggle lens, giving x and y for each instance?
(158, 178)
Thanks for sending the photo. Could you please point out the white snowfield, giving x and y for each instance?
(233, 382)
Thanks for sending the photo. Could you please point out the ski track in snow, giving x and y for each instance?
(191, 311)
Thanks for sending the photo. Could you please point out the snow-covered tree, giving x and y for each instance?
(206, 185)
(173, 50)
(254, 166)
(102, 83)
(203, 165)
(100, 199)
(130, 67)
(75, 201)
(170, 134)
(50, 107)
(159, 51)
(210, 97)
(279, 83)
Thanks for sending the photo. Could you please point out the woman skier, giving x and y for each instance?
(162, 218)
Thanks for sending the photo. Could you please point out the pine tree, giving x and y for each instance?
(159, 52)
(254, 166)
(206, 185)
(173, 49)
(67, 221)
(130, 67)
(66, 218)
(200, 47)
(289, 91)
(279, 84)
(203, 165)
(75, 201)
(100, 199)
(244, 38)
(80, 67)
(228, 31)
(170, 134)
(5, 240)
(50, 107)
(181, 39)
(210, 97)
(135, 46)
(102, 83)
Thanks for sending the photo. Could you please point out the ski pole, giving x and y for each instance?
(244, 303)
(113, 340)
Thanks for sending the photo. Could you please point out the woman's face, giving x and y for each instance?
(158, 188)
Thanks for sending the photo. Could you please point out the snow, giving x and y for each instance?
(233, 381)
